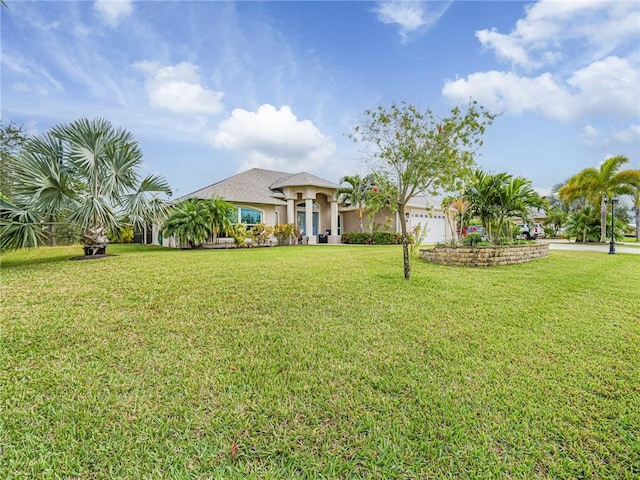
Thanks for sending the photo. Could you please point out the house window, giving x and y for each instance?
(250, 217)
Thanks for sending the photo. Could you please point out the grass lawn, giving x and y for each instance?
(317, 362)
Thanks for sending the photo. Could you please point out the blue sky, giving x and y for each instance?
(213, 88)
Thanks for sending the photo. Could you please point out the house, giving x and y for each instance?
(311, 202)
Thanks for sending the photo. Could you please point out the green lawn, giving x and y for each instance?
(317, 362)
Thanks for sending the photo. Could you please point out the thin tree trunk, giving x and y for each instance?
(603, 221)
(637, 223)
(405, 245)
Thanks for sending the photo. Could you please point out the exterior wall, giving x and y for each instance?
(485, 256)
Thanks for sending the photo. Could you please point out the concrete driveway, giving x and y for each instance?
(589, 247)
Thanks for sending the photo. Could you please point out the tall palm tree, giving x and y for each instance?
(88, 169)
(189, 222)
(594, 183)
(356, 194)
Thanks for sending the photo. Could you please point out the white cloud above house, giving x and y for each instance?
(410, 17)
(112, 11)
(273, 138)
(179, 89)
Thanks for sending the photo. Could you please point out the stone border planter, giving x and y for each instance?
(485, 256)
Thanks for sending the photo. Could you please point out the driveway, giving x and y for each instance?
(590, 247)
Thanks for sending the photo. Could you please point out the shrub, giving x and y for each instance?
(472, 240)
(284, 232)
(239, 234)
(260, 233)
(374, 238)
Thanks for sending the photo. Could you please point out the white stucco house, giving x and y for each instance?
(311, 202)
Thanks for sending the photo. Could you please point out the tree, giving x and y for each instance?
(583, 224)
(357, 193)
(89, 170)
(556, 218)
(12, 140)
(222, 215)
(593, 183)
(496, 198)
(189, 222)
(418, 153)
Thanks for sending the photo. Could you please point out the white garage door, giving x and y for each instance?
(435, 222)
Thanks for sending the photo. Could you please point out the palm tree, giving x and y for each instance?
(89, 170)
(593, 183)
(222, 214)
(482, 195)
(557, 218)
(357, 193)
(189, 222)
(583, 224)
(516, 197)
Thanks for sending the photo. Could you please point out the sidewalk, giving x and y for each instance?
(559, 244)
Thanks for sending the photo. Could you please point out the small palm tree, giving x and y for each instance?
(556, 218)
(593, 183)
(583, 224)
(222, 214)
(89, 170)
(189, 222)
(356, 194)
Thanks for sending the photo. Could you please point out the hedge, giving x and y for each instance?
(374, 238)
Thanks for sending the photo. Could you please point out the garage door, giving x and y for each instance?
(435, 222)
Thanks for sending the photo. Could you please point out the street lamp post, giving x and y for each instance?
(612, 243)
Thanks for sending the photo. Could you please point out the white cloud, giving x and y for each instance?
(538, 38)
(604, 88)
(628, 135)
(179, 89)
(273, 138)
(589, 135)
(113, 10)
(410, 16)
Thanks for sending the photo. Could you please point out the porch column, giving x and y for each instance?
(291, 210)
(308, 214)
(334, 237)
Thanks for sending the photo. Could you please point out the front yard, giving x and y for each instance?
(317, 362)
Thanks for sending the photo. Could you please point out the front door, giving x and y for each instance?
(301, 222)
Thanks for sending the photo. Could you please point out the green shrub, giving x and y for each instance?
(472, 240)
(374, 238)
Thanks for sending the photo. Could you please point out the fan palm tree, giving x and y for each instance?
(89, 170)
(594, 183)
(189, 222)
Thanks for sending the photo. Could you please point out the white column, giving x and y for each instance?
(334, 238)
(308, 213)
(291, 210)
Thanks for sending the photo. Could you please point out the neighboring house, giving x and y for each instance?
(311, 203)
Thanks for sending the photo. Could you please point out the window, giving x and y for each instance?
(250, 217)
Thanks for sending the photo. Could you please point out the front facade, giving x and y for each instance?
(312, 204)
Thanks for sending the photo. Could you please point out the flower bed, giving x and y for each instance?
(485, 256)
